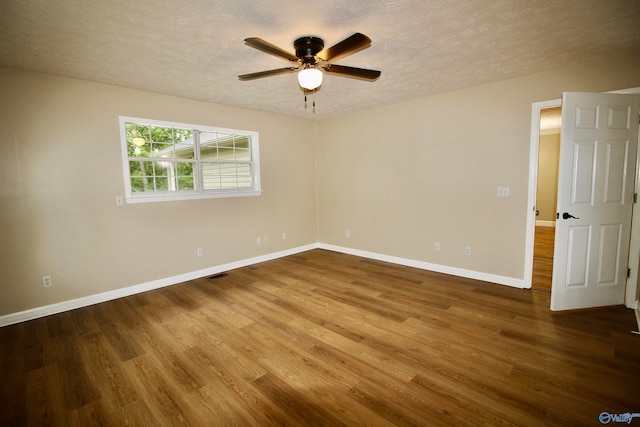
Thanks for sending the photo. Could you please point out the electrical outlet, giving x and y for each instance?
(265, 240)
(503, 191)
(47, 281)
(347, 234)
(258, 240)
(284, 236)
(436, 246)
(467, 250)
(199, 252)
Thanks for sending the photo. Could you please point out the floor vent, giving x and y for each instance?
(217, 276)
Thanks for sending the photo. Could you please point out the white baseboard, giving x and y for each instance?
(460, 272)
(35, 313)
(541, 223)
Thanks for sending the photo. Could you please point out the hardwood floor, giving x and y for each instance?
(322, 338)
(543, 257)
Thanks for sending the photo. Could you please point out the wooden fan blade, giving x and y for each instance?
(268, 73)
(348, 46)
(271, 49)
(357, 73)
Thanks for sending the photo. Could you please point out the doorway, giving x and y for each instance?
(633, 290)
(546, 196)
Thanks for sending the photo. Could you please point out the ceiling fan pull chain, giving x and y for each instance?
(314, 101)
(305, 101)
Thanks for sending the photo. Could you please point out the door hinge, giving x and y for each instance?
(635, 197)
(628, 273)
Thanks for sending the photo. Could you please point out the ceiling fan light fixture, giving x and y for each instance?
(310, 78)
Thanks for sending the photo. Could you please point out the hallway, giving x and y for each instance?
(543, 257)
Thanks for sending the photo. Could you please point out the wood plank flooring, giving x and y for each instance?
(543, 257)
(321, 338)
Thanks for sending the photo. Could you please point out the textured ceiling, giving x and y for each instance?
(195, 48)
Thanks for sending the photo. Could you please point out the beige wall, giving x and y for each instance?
(405, 176)
(61, 169)
(399, 178)
(547, 195)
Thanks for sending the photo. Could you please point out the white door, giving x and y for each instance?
(598, 149)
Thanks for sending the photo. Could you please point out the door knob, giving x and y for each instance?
(567, 215)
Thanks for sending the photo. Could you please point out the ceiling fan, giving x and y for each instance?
(310, 64)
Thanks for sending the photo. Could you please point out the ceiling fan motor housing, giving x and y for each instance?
(307, 48)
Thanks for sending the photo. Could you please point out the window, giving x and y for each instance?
(176, 161)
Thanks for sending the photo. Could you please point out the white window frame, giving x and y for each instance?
(199, 192)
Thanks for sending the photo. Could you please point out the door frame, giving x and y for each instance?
(534, 150)
(534, 146)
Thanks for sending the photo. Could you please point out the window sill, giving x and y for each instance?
(176, 197)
